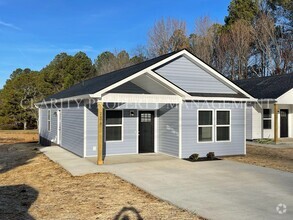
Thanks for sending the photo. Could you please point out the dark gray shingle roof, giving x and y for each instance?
(270, 87)
(98, 83)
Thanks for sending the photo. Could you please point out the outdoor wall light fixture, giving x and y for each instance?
(132, 113)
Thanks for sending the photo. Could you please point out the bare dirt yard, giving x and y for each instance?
(33, 187)
(276, 158)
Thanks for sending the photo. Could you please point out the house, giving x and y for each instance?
(272, 115)
(174, 104)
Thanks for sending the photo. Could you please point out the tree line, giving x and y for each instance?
(254, 41)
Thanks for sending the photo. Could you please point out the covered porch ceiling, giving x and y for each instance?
(151, 90)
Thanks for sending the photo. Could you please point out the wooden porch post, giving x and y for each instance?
(276, 123)
(100, 132)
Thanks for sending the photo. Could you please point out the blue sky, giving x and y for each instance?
(32, 32)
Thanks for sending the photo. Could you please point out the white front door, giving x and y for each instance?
(59, 126)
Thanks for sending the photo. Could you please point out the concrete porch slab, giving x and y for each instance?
(74, 164)
(132, 158)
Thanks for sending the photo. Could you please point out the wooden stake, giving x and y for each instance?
(100, 133)
(276, 123)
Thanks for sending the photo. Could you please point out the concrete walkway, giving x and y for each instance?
(214, 190)
(73, 164)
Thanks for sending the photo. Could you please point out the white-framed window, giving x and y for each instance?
(223, 125)
(267, 119)
(205, 126)
(49, 120)
(113, 125)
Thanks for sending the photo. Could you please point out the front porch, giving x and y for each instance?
(138, 116)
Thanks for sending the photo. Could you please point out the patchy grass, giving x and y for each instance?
(33, 187)
(264, 141)
(18, 136)
(276, 158)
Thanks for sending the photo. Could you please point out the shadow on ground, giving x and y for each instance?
(128, 213)
(14, 155)
(15, 201)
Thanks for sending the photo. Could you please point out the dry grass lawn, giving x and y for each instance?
(18, 136)
(276, 158)
(33, 187)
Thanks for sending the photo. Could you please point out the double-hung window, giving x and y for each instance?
(267, 119)
(49, 120)
(205, 125)
(223, 125)
(208, 125)
(113, 125)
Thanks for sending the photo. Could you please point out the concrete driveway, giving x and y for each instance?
(216, 189)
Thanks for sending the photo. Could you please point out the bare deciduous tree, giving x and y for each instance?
(240, 40)
(202, 41)
(159, 36)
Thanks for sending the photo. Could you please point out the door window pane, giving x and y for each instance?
(146, 117)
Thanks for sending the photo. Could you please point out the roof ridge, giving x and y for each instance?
(264, 77)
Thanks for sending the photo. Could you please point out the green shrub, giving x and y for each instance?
(194, 157)
(211, 155)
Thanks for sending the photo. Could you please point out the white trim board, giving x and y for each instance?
(140, 98)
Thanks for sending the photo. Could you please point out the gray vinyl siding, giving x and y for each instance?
(192, 78)
(189, 130)
(249, 122)
(72, 126)
(168, 130)
(129, 87)
(73, 129)
(91, 130)
(129, 143)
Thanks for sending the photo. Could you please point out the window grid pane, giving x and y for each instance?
(267, 123)
(223, 133)
(267, 113)
(223, 118)
(113, 125)
(113, 117)
(113, 133)
(205, 118)
(205, 134)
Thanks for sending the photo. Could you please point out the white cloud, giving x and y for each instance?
(8, 25)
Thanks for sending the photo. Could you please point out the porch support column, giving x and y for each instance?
(276, 129)
(100, 132)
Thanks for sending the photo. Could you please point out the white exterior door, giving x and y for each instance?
(59, 126)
